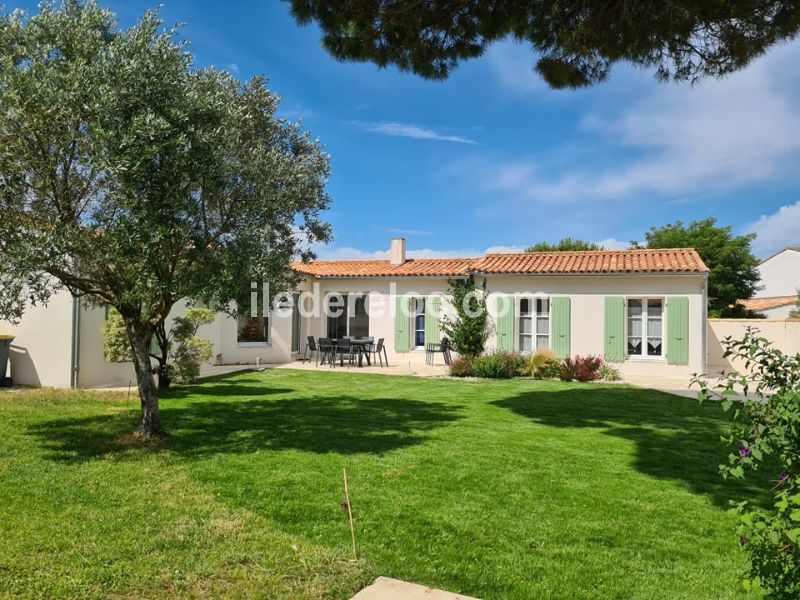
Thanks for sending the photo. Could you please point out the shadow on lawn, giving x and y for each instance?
(340, 424)
(676, 438)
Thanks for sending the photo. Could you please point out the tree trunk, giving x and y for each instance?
(141, 335)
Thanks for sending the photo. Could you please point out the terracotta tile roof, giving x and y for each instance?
(678, 260)
(759, 304)
(413, 267)
(673, 260)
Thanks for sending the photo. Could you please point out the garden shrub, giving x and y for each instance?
(609, 373)
(498, 365)
(581, 368)
(765, 432)
(463, 367)
(542, 364)
(467, 328)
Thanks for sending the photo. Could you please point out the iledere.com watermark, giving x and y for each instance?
(315, 303)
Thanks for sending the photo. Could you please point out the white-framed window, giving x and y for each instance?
(533, 324)
(253, 330)
(645, 327)
(352, 316)
(418, 322)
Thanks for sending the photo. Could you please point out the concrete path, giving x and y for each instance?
(386, 588)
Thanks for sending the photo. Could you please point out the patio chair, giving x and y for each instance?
(442, 347)
(379, 351)
(311, 347)
(343, 348)
(325, 349)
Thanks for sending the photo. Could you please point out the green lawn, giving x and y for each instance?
(517, 489)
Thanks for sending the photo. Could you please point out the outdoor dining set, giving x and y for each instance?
(349, 349)
(355, 350)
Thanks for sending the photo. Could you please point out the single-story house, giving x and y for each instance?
(644, 310)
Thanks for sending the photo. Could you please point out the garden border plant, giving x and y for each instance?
(765, 431)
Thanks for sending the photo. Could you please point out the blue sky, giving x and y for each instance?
(493, 159)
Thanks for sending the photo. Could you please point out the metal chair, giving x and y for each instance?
(343, 347)
(311, 347)
(379, 351)
(433, 348)
(325, 349)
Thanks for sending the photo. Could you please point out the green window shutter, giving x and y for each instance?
(402, 324)
(504, 324)
(614, 329)
(432, 320)
(678, 330)
(560, 328)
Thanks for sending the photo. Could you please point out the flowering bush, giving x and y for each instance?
(498, 365)
(581, 368)
(766, 423)
(462, 367)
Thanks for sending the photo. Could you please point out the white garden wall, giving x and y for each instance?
(783, 333)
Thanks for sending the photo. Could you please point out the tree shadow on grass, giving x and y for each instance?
(676, 438)
(338, 424)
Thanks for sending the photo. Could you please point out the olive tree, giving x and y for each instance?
(133, 179)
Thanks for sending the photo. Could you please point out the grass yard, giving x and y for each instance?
(518, 489)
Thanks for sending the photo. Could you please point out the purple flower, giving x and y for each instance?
(782, 479)
(743, 540)
(744, 451)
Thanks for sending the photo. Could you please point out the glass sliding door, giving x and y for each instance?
(296, 323)
(352, 316)
(337, 325)
(359, 320)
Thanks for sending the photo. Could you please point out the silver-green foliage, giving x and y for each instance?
(134, 179)
(185, 351)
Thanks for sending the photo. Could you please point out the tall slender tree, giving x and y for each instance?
(133, 179)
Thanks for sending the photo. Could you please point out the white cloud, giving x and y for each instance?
(504, 249)
(716, 136)
(512, 64)
(348, 253)
(233, 68)
(296, 113)
(613, 244)
(777, 231)
(411, 131)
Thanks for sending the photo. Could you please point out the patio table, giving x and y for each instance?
(361, 345)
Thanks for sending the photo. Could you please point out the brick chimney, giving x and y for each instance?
(397, 251)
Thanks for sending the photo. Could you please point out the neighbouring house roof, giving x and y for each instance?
(759, 304)
(674, 260)
(789, 248)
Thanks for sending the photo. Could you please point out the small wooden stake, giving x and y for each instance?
(128, 399)
(350, 513)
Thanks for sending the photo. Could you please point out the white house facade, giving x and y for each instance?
(780, 283)
(643, 310)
